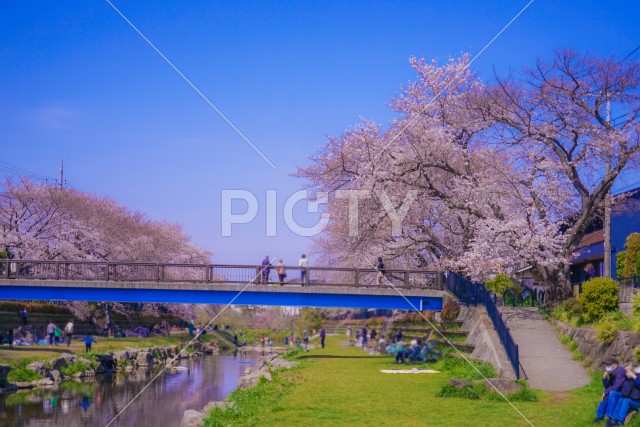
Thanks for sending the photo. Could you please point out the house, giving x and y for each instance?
(625, 219)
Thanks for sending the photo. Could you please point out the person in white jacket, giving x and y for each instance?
(303, 264)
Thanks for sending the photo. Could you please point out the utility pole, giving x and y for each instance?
(61, 174)
(607, 204)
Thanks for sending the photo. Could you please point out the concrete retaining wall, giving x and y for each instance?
(487, 344)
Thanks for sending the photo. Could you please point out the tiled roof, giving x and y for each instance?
(592, 238)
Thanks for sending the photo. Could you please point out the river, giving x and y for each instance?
(95, 403)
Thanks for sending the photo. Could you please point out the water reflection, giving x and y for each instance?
(95, 403)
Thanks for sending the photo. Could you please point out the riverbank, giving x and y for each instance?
(342, 385)
(40, 366)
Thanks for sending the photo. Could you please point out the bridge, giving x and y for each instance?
(219, 284)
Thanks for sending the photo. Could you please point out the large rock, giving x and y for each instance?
(459, 384)
(63, 361)
(192, 418)
(501, 384)
(212, 405)
(56, 376)
(252, 379)
(45, 382)
(280, 363)
(145, 358)
(4, 370)
(107, 364)
(39, 368)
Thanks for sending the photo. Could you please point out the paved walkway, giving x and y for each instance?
(546, 361)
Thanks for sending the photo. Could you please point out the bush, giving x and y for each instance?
(635, 306)
(632, 252)
(499, 284)
(471, 392)
(22, 374)
(77, 366)
(599, 296)
(621, 258)
(607, 332)
(572, 306)
(450, 311)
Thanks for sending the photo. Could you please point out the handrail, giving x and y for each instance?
(212, 273)
(470, 293)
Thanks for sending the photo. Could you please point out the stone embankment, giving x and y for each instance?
(263, 368)
(595, 352)
(128, 360)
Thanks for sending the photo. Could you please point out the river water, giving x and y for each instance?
(95, 403)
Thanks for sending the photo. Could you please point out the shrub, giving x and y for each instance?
(632, 252)
(450, 311)
(22, 374)
(607, 332)
(499, 284)
(572, 306)
(636, 355)
(620, 261)
(599, 296)
(77, 366)
(635, 306)
(471, 392)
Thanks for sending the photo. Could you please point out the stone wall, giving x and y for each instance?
(622, 347)
(487, 344)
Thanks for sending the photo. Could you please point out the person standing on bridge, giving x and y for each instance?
(282, 271)
(381, 271)
(266, 270)
(303, 264)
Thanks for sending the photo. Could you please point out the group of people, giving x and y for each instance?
(362, 336)
(621, 392)
(416, 351)
(281, 269)
(303, 264)
(57, 336)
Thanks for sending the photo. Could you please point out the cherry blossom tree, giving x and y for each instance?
(38, 221)
(504, 173)
(553, 123)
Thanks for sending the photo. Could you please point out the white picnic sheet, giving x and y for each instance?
(409, 371)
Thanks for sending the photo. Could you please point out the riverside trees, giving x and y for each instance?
(504, 172)
(38, 221)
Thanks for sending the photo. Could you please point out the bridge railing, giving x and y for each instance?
(471, 293)
(215, 273)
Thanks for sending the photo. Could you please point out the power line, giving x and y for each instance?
(17, 170)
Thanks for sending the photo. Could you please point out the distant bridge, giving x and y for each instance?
(218, 284)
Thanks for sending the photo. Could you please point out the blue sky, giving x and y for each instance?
(78, 83)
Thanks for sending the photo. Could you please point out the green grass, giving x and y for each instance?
(344, 386)
(77, 367)
(22, 374)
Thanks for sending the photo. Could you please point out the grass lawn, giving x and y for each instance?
(22, 354)
(344, 386)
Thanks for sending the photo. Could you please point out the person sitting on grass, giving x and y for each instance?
(88, 340)
(401, 352)
(612, 379)
(628, 397)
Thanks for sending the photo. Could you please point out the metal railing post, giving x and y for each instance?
(157, 272)
(57, 270)
(357, 277)
(406, 279)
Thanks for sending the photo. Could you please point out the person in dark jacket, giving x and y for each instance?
(612, 380)
(628, 397)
